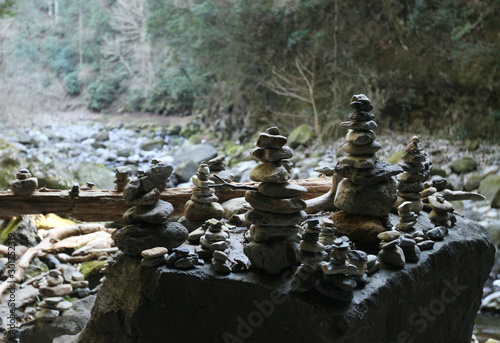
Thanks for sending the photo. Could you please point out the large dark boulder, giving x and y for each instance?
(433, 300)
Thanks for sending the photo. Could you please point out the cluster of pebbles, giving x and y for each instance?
(122, 178)
(24, 184)
(417, 168)
(277, 207)
(203, 204)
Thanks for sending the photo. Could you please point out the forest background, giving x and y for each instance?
(428, 65)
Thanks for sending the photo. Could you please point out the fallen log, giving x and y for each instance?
(101, 205)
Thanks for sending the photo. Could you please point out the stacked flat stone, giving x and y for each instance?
(55, 286)
(368, 187)
(311, 254)
(122, 178)
(429, 190)
(359, 258)
(277, 208)
(203, 204)
(154, 257)
(442, 211)
(52, 307)
(372, 264)
(391, 253)
(216, 237)
(182, 258)
(147, 225)
(327, 235)
(410, 249)
(407, 218)
(338, 283)
(417, 167)
(24, 184)
(80, 286)
(217, 165)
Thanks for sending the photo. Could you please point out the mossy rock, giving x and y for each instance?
(10, 163)
(472, 144)
(101, 176)
(464, 165)
(301, 135)
(395, 158)
(490, 188)
(473, 180)
(438, 172)
(92, 269)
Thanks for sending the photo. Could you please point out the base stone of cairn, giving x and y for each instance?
(277, 207)
(433, 300)
(368, 188)
(147, 225)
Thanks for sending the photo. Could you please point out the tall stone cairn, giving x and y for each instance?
(368, 187)
(277, 208)
(203, 204)
(147, 222)
(417, 168)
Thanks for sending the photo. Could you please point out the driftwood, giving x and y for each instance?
(98, 205)
(76, 241)
(324, 202)
(19, 250)
(53, 235)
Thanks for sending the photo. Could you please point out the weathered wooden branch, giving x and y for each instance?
(99, 205)
(324, 202)
(19, 250)
(53, 235)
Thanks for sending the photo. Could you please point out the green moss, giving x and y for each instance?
(92, 268)
(464, 165)
(395, 157)
(490, 188)
(301, 135)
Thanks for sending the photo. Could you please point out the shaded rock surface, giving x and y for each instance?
(135, 305)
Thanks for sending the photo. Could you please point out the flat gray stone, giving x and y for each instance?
(263, 218)
(275, 205)
(281, 190)
(153, 214)
(280, 172)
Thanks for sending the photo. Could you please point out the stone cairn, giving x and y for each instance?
(203, 204)
(442, 211)
(24, 184)
(216, 238)
(410, 249)
(122, 178)
(368, 188)
(54, 286)
(52, 307)
(147, 225)
(277, 208)
(339, 272)
(390, 251)
(217, 165)
(327, 235)
(311, 254)
(80, 286)
(417, 168)
(407, 218)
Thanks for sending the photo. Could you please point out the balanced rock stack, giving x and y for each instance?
(217, 165)
(80, 286)
(311, 254)
(368, 188)
(215, 238)
(52, 307)
(442, 211)
(372, 264)
(55, 286)
(391, 253)
(429, 190)
(327, 235)
(203, 204)
(410, 249)
(359, 258)
(277, 208)
(24, 184)
(147, 221)
(407, 218)
(122, 178)
(338, 283)
(417, 168)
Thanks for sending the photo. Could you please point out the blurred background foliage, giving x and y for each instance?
(428, 65)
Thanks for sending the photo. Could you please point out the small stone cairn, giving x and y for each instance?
(442, 211)
(338, 282)
(407, 218)
(52, 307)
(368, 188)
(80, 286)
(203, 204)
(217, 165)
(417, 168)
(122, 178)
(390, 251)
(327, 235)
(216, 237)
(147, 225)
(24, 184)
(277, 208)
(410, 248)
(311, 254)
(55, 286)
